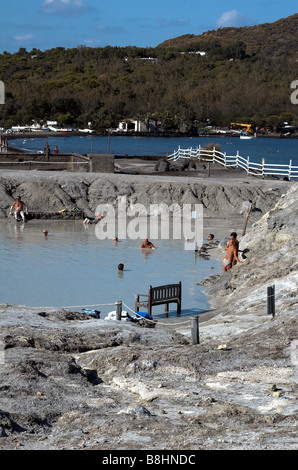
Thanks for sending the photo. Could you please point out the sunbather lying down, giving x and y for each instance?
(93, 220)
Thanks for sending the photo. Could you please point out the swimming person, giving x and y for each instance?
(147, 244)
(231, 255)
(19, 207)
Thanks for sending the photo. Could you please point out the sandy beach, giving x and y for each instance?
(72, 382)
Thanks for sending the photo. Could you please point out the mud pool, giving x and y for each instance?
(71, 267)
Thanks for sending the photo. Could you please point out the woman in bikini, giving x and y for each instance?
(230, 256)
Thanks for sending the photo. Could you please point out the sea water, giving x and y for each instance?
(71, 268)
(273, 150)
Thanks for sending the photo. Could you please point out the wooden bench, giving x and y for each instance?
(160, 295)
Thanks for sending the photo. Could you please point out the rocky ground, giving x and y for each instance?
(72, 382)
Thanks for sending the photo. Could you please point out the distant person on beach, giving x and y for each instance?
(233, 237)
(147, 244)
(19, 208)
(231, 255)
(93, 220)
(56, 149)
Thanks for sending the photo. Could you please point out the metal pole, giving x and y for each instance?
(271, 300)
(195, 330)
(118, 310)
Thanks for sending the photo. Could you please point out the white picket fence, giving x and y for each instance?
(257, 169)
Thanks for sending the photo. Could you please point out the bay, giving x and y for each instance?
(273, 150)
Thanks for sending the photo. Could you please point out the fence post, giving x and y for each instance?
(271, 300)
(247, 165)
(290, 170)
(237, 158)
(195, 330)
(263, 167)
(118, 310)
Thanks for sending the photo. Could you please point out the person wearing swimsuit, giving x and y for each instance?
(19, 208)
(231, 255)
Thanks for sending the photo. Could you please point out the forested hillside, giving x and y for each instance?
(245, 75)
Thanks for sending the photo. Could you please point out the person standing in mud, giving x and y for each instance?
(231, 255)
(233, 237)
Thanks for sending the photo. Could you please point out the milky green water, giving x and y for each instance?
(72, 268)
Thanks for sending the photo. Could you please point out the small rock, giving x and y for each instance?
(139, 410)
(272, 388)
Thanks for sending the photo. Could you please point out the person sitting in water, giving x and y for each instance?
(231, 255)
(147, 244)
(93, 220)
(20, 209)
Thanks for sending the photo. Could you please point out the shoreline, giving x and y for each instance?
(41, 134)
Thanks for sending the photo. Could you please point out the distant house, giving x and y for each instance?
(153, 60)
(136, 125)
(201, 53)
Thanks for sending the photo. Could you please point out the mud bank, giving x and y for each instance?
(73, 382)
(50, 192)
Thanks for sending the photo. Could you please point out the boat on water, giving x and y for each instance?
(247, 136)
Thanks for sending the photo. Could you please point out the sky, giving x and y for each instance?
(45, 24)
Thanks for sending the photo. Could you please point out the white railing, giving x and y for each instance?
(236, 161)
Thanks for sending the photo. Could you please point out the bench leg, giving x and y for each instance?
(179, 309)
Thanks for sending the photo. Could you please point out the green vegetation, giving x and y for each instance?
(245, 77)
